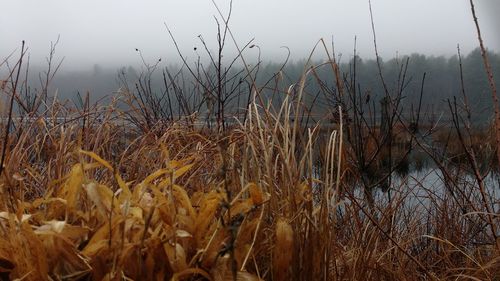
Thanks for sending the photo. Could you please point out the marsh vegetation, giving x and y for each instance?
(232, 171)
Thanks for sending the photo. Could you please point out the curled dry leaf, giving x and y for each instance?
(71, 188)
(176, 256)
(208, 208)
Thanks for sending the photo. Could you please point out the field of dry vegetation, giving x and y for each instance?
(114, 192)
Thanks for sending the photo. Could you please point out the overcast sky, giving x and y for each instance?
(107, 32)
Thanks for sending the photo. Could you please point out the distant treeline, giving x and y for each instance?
(442, 81)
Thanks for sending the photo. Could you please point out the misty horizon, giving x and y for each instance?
(108, 34)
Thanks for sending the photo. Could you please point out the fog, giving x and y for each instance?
(108, 32)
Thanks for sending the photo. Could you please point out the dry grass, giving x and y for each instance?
(95, 200)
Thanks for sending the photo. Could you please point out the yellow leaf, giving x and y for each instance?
(137, 212)
(208, 208)
(177, 173)
(155, 175)
(125, 193)
(100, 239)
(90, 166)
(101, 196)
(182, 170)
(72, 186)
(97, 158)
(182, 198)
